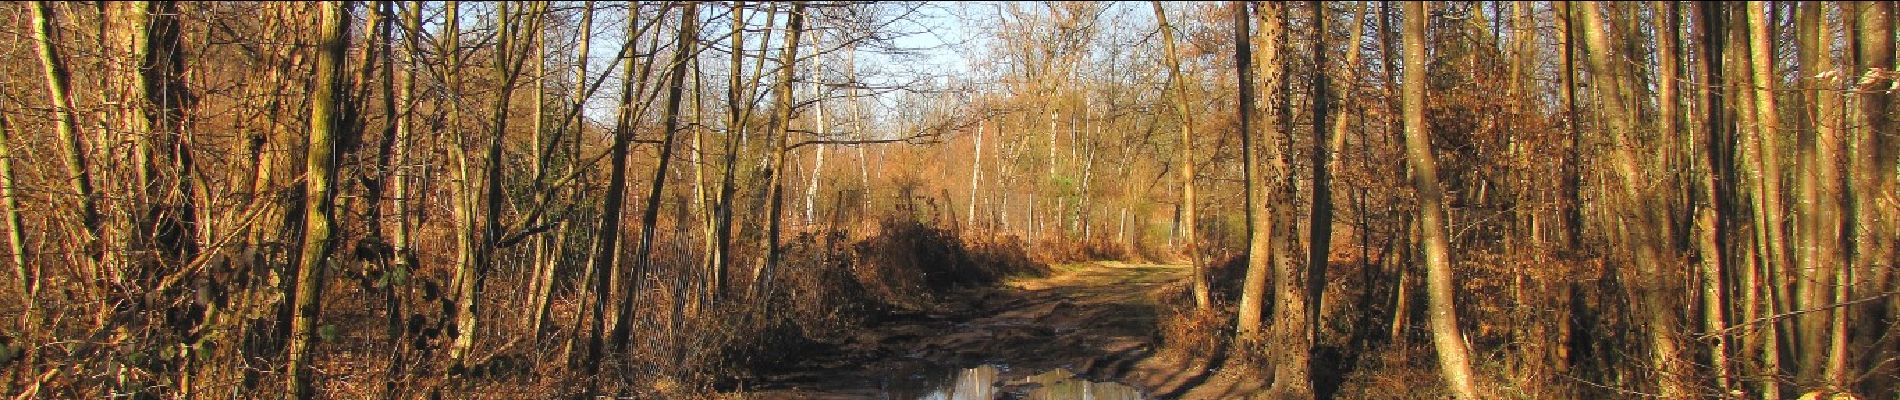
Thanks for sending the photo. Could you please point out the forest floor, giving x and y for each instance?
(1097, 320)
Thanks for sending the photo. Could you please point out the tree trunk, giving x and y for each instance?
(1319, 247)
(467, 260)
(1259, 220)
(738, 111)
(1716, 189)
(59, 91)
(607, 234)
(29, 274)
(1634, 210)
(319, 175)
(170, 229)
(1876, 216)
(1570, 208)
(1190, 244)
(403, 127)
(1771, 219)
(1828, 264)
(775, 171)
(1453, 359)
(650, 216)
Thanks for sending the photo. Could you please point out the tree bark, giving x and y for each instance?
(71, 145)
(1258, 220)
(1828, 264)
(171, 229)
(1771, 219)
(1876, 215)
(1319, 246)
(29, 274)
(1570, 208)
(1634, 210)
(319, 176)
(1177, 84)
(607, 235)
(781, 147)
(1716, 189)
(650, 216)
(1453, 359)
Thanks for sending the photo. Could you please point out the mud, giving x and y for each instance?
(1096, 320)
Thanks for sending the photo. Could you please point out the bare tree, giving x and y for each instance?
(1453, 358)
(319, 176)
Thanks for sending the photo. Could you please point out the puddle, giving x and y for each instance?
(984, 383)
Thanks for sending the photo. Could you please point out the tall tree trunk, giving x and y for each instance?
(1828, 264)
(1716, 189)
(819, 130)
(547, 247)
(1808, 276)
(739, 106)
(607, 234)
(170, 222)
(1453, 359)
(1770, 222)
(1258, 220)
(1571, 206)
(71, 145)
(775, 171)
(1636, 211)
(401, 138)
(1319, 247)
(319, 175)
(976, 174)
(1746, 251)
(29, 274)
(467, 244)
(1177, 84)
(1876, 216)
(650, 216)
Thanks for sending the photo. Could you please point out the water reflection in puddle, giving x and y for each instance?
(981, 383)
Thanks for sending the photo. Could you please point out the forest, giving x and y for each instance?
(948, 200)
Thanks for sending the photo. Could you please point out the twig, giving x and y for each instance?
(35, 388)
(1771, 318)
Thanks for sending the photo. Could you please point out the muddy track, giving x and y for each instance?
(1095, 319)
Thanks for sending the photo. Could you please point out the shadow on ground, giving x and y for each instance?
(1097, 319)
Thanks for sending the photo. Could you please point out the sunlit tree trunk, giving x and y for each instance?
(607, 235)
(1715, 188)
(976, 173)
(170, 223)
(464, 197)
(1177, 85)
(1635, 209)
(1319, 246)
(780, 145)
(738, 112)
(1827, 268)
(1770, 220)
(1570, 208)
(547, 247)
(72, 148)
(29, 274)
(319, 175)
(1262, 255)
(649, 217)
(1876, 216)
(1810, 330)
(398, 89)
(1453, 359)
(819, 130)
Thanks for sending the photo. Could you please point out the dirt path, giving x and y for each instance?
(1093, 319)
(1096, 319)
